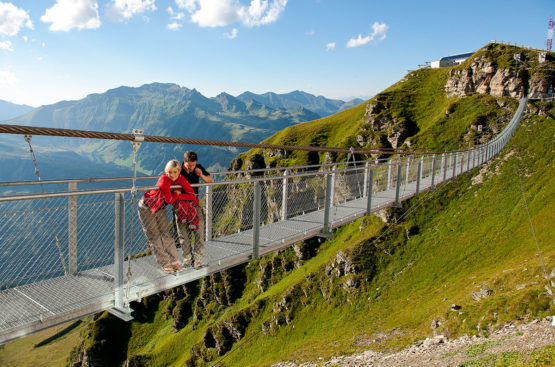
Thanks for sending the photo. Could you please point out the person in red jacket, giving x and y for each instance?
(154, 218)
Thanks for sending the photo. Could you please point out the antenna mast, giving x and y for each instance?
(550, 33)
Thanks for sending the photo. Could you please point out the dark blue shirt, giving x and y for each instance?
(192, 177)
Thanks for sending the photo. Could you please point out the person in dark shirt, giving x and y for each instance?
(192, 242)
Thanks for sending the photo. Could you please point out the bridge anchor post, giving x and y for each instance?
(368, 189)
(397, 203)
(121, 308)
(327, 205)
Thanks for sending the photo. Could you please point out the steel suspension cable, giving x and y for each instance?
(33, 130)
(56, 239)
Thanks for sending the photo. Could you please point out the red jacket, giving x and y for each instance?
(186, 213)
(155, 199)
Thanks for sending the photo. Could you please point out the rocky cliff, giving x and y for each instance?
(486, 73)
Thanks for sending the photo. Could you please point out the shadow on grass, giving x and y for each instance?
(58, 334)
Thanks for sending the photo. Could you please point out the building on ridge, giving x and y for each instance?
(451, 60)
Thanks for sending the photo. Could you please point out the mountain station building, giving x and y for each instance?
(450, 60)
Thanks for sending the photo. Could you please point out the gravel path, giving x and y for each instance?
(439, 351)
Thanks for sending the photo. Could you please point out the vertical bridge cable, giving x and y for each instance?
(352, 154)
(139, 138)
(58, 245)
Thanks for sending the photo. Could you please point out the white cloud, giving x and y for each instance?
(215, 13)
(175, 15)
(378, 32)
(260, 13)
(7, 78)
(68, 14)
(231, 35)
(310, 33)
(121, 10)
(330, 46)
(12, 19)
(189, 5)
(40, 58)
(6, 45)
(174, 26)
(25, 38)
(220, 13)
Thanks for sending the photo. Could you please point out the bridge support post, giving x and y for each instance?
(327, 206)
(368, 187)
(388, 175)
(209, 213)
(120, 309)
(256, 221)
(407, 171)
(418, 177)
(455, 165)
(444, 163)
(433, 171)
(468, 160)
(284, 191)
(72, 229)
(365, 183)
(333, 178)
(397, 203)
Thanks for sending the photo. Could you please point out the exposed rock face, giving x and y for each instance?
(378, 119)
(484, 77)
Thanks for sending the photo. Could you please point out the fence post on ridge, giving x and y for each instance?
(256, 221)
(72, 229)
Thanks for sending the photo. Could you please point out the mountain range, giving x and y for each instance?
(159, 109)
(10, 110)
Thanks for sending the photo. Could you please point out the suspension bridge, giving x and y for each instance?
(69, 253)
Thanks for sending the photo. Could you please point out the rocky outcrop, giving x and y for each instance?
(380, 126)
(483, 76)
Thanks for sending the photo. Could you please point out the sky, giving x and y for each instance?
(54, 50)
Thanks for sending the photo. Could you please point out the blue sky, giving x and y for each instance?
(53, 50)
